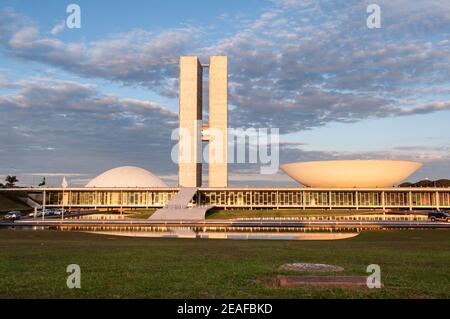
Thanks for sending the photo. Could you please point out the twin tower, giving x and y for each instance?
(193, 131)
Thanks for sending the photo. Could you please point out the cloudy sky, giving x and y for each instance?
(76, 102)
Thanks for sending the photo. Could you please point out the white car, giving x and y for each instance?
(39, 213)
(13, 215)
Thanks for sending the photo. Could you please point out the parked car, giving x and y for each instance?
(13, 215)
(49, 212)
(46, 212)
(439, 216)
(38, 214)
(58, 212)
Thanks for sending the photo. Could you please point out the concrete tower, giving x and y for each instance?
(218, 121)
(190, 116)
(193, 131)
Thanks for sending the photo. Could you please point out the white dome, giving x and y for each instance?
(126, 176)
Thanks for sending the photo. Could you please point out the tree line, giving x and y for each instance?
(10, 182)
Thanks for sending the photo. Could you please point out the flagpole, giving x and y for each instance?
(62, 212)
(44, 198)
(64, 184)
(43, 206)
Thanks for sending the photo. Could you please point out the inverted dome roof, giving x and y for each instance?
(126, 176)
(351, 173)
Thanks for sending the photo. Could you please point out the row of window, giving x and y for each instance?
(274, 198)
(77, 198)
(331, 198)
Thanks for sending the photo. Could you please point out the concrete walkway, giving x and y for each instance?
(30, 202)
(182, 198)
(177, 208)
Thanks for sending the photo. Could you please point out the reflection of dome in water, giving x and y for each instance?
(126, 176)
(351, 173)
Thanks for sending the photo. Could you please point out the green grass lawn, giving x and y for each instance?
(414, 264)
(141, 213)
(246, 213)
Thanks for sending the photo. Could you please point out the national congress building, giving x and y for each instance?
(326, 184)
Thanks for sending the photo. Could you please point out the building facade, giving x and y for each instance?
(250, 198)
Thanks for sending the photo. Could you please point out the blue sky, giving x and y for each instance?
(76, 102)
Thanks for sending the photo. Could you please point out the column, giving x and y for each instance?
(190, 114)
(218, 121)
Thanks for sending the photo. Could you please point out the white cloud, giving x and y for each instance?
(300, 65)
(23, 38)
(326, 68)
(58, 27)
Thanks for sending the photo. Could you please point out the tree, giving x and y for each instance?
(10, 181)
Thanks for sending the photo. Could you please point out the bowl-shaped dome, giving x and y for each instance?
(350, 174)
(126, 176)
